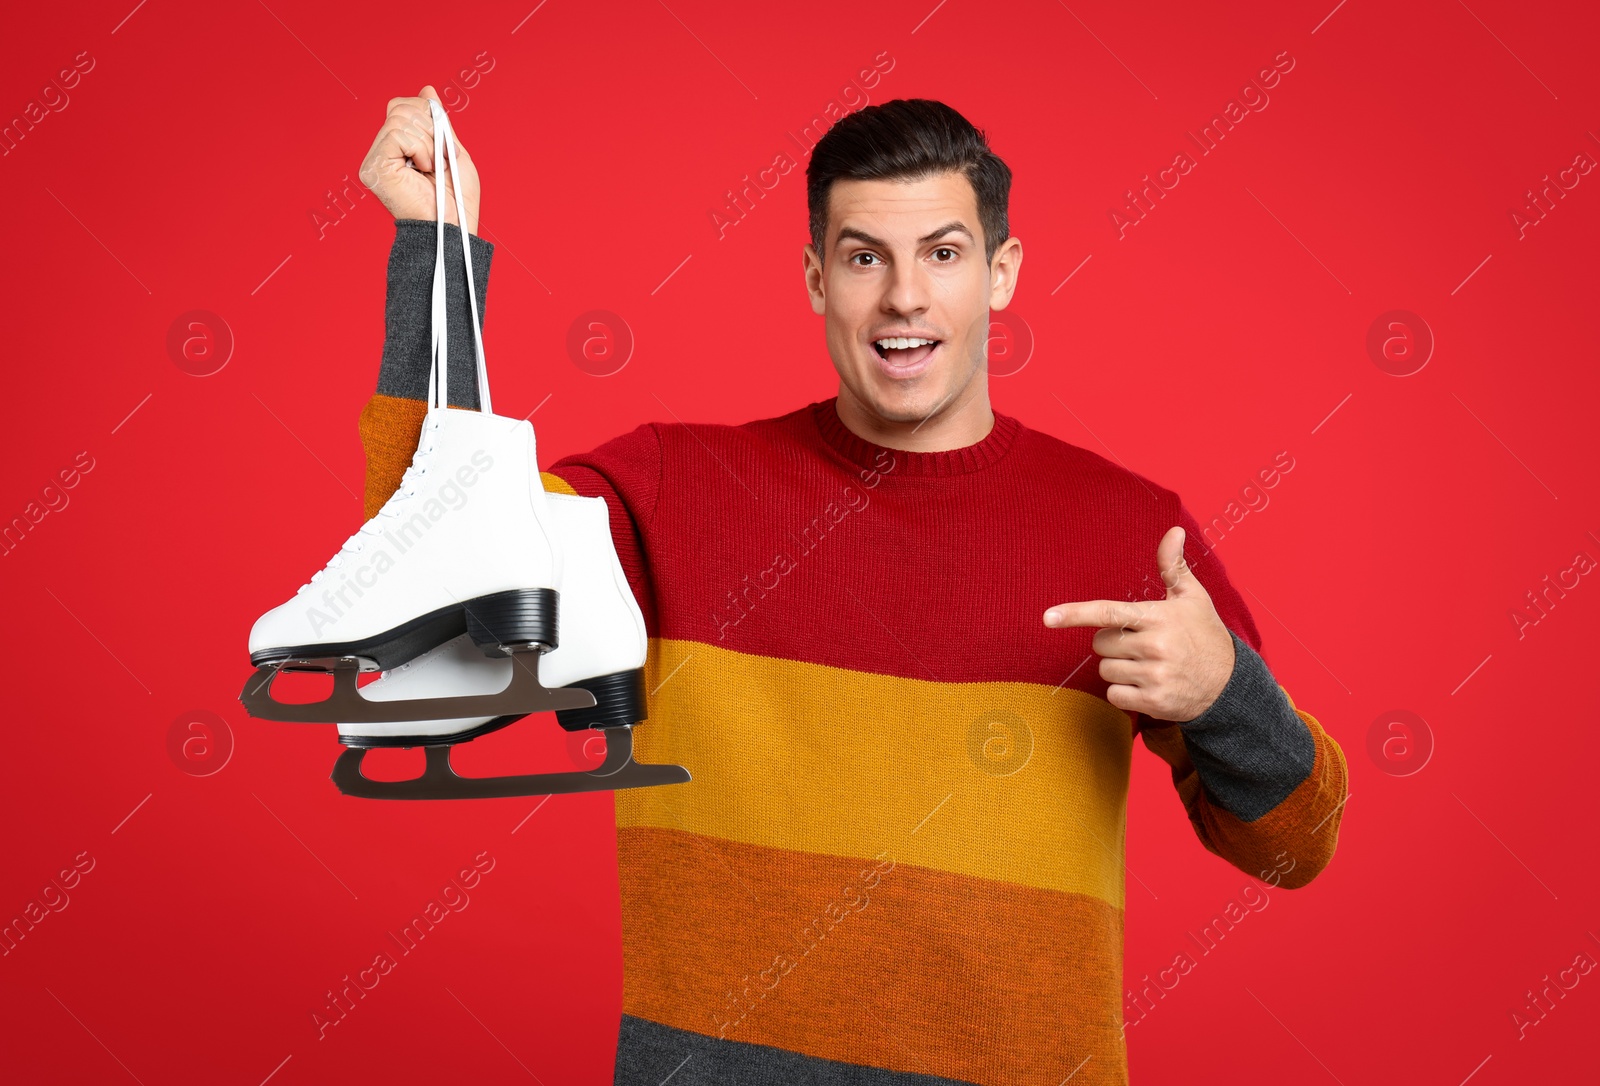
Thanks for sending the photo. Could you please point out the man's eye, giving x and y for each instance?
(866, 254)
(946, 249)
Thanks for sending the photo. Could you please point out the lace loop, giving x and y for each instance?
(444, 149)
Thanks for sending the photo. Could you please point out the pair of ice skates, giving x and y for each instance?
(479, 596)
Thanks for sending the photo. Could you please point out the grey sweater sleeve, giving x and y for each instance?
(1250, 748)
(408, 310)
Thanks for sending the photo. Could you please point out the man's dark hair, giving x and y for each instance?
(908, 139)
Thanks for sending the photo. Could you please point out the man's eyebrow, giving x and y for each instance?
(859, 235)
(954, 226)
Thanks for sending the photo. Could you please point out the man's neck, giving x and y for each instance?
(965, 422)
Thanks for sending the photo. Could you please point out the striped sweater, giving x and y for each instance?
(900, 860)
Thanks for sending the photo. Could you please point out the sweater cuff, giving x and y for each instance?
(408, 311)
(1250, 748)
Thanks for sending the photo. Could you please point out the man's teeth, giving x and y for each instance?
(901, 342)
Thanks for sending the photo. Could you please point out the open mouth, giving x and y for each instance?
(904, 352)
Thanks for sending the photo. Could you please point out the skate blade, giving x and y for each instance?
(345, 705)
(440, 781)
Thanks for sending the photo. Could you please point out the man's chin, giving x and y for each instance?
(907, 403)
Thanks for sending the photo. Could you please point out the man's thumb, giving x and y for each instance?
(1175, 572)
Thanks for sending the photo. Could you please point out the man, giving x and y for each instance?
(900, 859)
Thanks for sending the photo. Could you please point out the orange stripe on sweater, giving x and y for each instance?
(859, 972)
(1290, 844)
(390, 427)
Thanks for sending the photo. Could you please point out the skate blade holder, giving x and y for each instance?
(345, 704)
(439, 779)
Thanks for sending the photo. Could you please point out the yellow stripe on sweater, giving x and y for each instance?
(1017, 782)
(555, 484)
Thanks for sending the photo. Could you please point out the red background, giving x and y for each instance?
(1223, 329)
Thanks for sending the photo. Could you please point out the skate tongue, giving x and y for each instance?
(909, 356)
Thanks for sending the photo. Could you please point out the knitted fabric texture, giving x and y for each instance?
(901, 858)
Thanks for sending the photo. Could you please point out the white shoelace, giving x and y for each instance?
(444, 144)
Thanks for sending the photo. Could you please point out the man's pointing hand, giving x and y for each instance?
(1168, 659)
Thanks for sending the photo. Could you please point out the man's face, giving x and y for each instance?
(906, 259)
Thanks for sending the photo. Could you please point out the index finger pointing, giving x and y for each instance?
(1100, 613)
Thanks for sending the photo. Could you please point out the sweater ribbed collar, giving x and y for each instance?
(866, 454)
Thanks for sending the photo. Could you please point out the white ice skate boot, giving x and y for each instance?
(463, 547)
(601, 649)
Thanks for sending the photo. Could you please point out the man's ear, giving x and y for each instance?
(1004, 270)
(812, 264)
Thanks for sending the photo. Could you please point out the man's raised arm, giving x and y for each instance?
(400, 171)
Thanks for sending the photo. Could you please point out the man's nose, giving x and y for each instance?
(908, 289)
